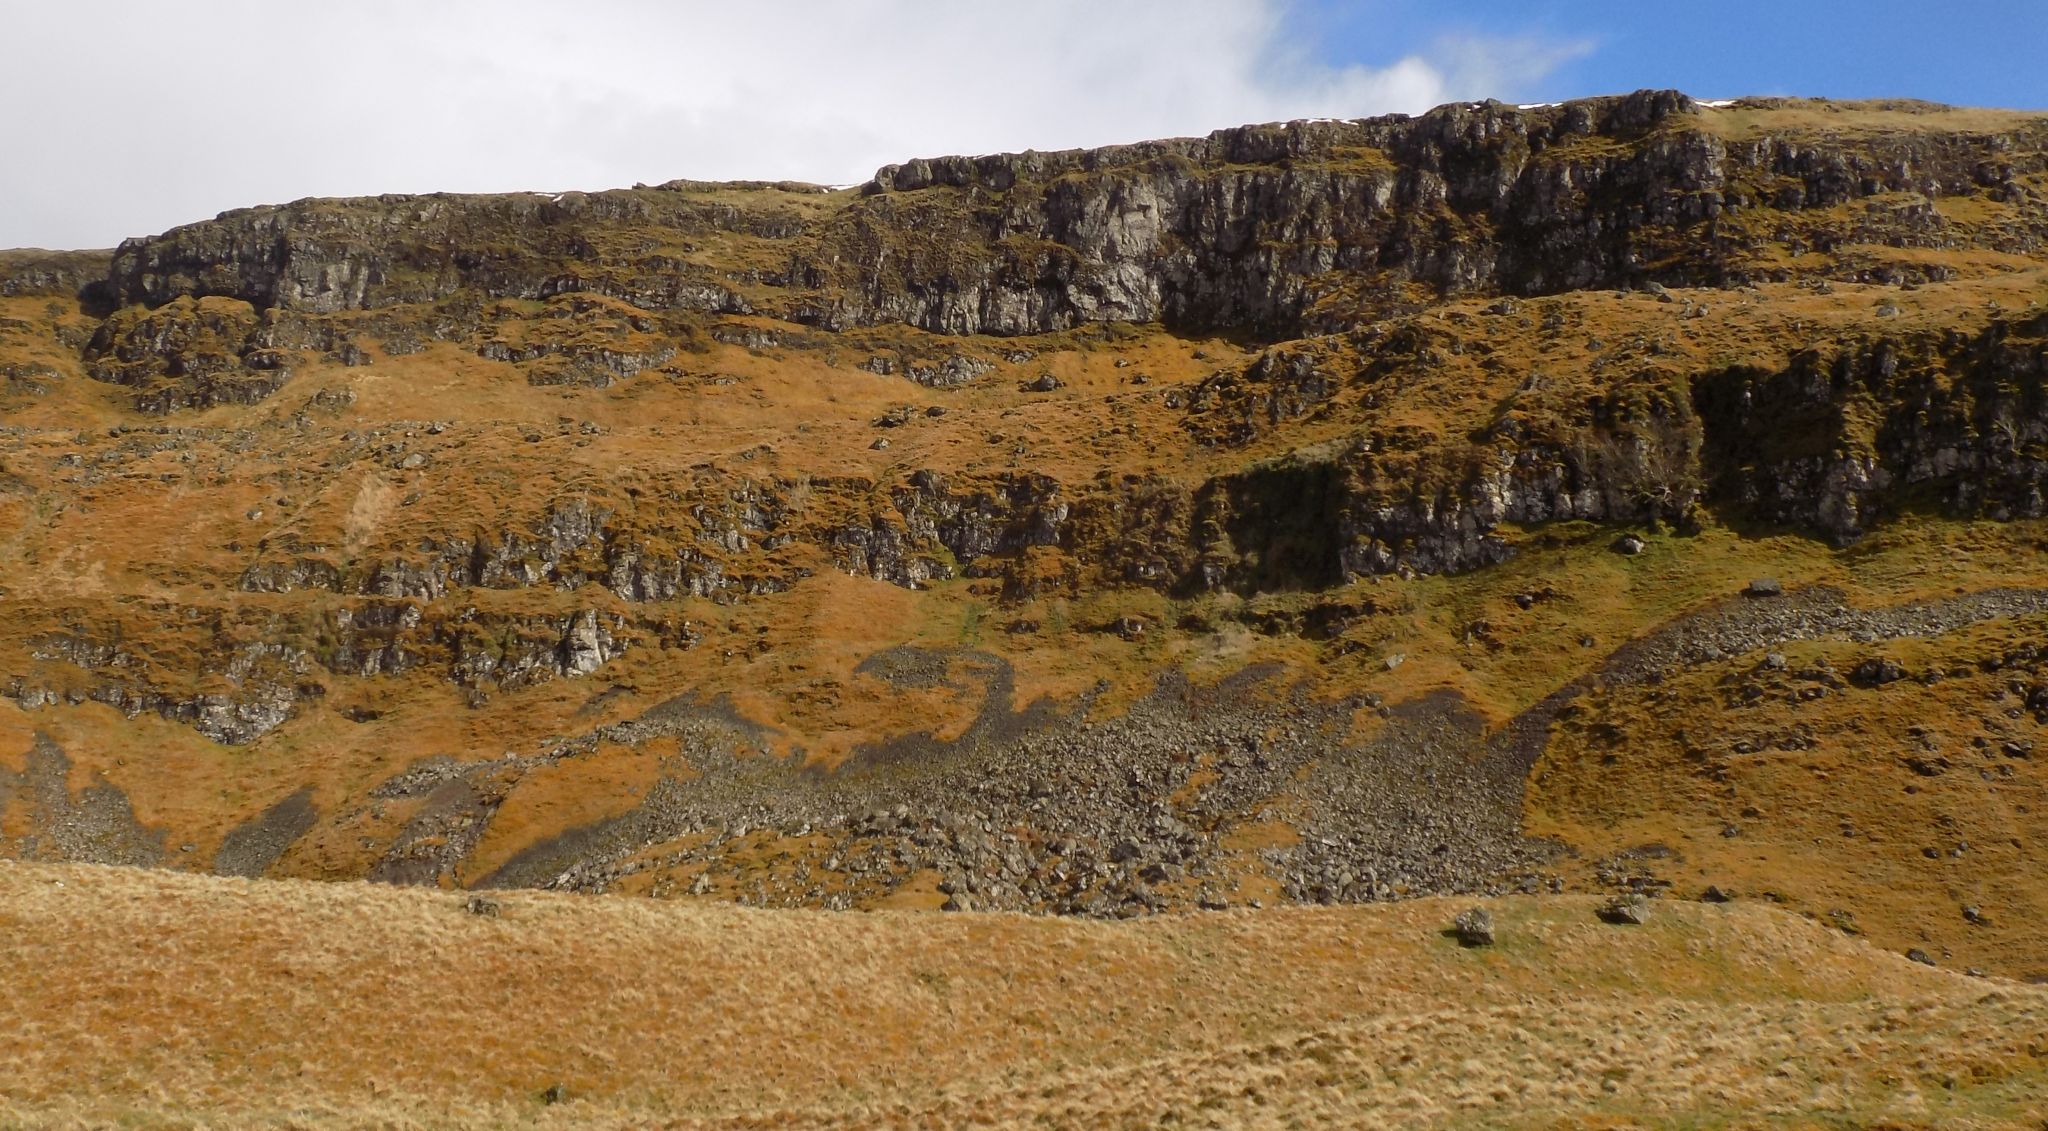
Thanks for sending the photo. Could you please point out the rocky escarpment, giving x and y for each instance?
(323, 256)
(1267, 229)
(726, 549)
(198, 353)
(67, 273)
(1266, 232)
(258, 671)
(1850, 432)
(507, 539)
(186, 355)
(1284, 229)
(1830, 440)
(1306, 522)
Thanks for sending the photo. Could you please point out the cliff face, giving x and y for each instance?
(1266, 231)
(1262, 229)
(1277, 229)
(1097, 531)
(1845, 436)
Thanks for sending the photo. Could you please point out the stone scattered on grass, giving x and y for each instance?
(1876, 672)
(1474, 927)
(1629, 910)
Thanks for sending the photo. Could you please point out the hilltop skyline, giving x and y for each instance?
(370, 97)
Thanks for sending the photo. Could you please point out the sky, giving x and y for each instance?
(127, 117)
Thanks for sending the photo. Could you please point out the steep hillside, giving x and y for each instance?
(1633, 493)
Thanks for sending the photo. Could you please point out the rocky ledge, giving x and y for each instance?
(1270, 230)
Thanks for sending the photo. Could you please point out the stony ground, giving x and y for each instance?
(1156, 807)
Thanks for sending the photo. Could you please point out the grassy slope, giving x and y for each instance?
(164, 999)
(161, 999)
(1888, 811)
(159, 533)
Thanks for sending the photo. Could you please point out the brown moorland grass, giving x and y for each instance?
(154, 999)
(140, 1000)
(1886, 810)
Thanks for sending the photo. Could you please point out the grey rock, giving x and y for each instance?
(1474, 927)
(1632, 909)
(1877, 672)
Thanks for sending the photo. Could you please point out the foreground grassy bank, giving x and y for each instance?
(145, 998)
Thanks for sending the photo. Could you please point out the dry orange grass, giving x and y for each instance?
(154, 999)
(1819, 801)
(165, 1000)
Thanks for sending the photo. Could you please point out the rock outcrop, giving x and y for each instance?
(1271, 230)
(520, 539)
(256, 677)
(1848, 433)
(1831, 440)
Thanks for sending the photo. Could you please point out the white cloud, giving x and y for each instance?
(151, 114)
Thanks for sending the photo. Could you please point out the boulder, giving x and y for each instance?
(1625, 910)
(1473, 927)
(1876, 672)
